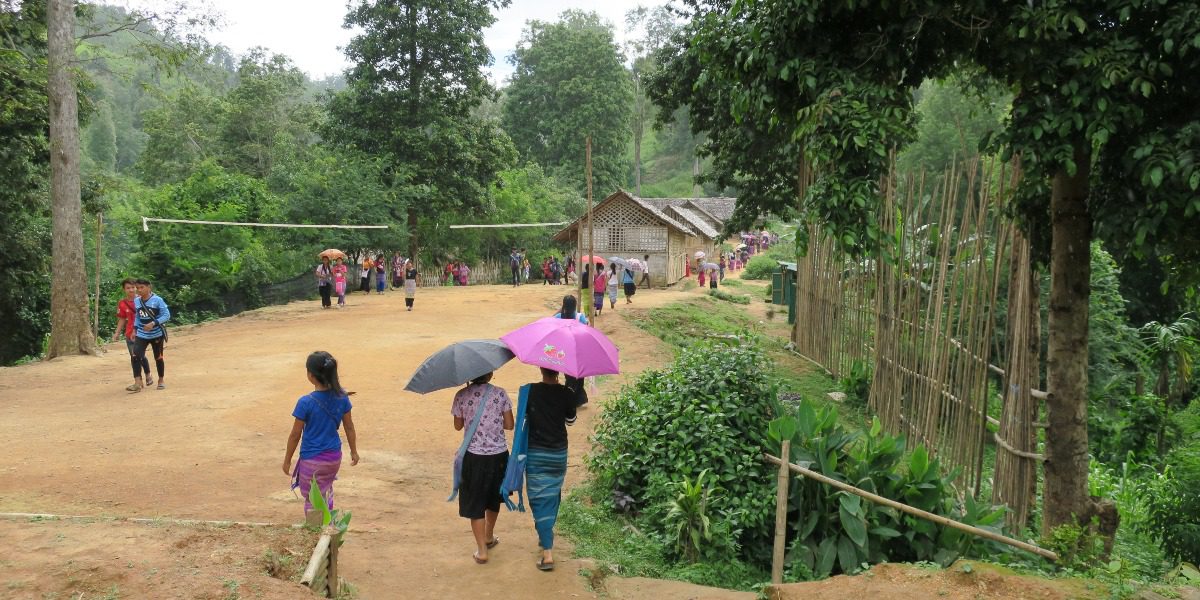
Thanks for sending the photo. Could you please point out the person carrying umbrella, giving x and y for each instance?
(568, 311)
(488, 411)
(544, 410)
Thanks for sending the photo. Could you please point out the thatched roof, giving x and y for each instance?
(568, 232)
(695, 221)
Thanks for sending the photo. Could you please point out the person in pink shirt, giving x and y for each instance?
(485, 412)
(339, 282)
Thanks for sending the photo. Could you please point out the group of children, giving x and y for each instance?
(332, 278)
(141, 316)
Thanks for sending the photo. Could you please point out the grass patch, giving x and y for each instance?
(726, 296)
(685, 323)
(731, 282)
(618, 545)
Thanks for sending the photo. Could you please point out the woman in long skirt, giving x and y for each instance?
(410, 284)
(551, 407)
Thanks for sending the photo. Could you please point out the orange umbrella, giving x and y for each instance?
(594, 259)
(332, 254)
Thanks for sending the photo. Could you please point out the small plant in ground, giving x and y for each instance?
(688, 523)
(857, 384)
(338, 519)
(1078, 548)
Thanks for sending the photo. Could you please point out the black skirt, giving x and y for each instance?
(630, 288)
(482, 475)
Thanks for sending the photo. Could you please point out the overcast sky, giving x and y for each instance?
(310, 31)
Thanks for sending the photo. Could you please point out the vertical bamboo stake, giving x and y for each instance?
(591, 226)
(781, 499)
(99, 235)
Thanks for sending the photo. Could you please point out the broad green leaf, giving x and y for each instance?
(854, 526)
(847, 554)
(826, 553)
(918, 463)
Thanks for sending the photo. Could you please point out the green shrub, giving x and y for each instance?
(1174, 505)
(760, 267)
(834, 531)
(708, 410)
(726, 296)
(857, 384)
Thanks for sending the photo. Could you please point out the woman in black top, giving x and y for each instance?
(550, 408)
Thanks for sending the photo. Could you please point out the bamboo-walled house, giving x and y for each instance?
(669, 230)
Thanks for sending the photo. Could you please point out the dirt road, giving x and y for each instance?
(210, 445)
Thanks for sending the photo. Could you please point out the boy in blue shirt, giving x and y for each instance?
(150, 313)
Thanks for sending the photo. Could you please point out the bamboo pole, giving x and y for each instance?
(332, 569)
(591, 229)
(916, 512)
(781, 502)
(99, 235)
(317, 562)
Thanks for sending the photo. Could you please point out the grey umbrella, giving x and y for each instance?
(457, 364)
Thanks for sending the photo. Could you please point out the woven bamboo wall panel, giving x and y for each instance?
(918, 313)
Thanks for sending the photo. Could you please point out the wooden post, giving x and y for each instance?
(781, 506)
(99, 235)
(333, 568)
(591, 229)
(916, 512)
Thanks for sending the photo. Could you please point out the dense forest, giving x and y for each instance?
(175, 127)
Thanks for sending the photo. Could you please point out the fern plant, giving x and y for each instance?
(687, 516)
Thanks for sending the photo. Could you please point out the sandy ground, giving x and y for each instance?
(211, 444)
(210, 447)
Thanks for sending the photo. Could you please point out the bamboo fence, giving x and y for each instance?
(920, 312)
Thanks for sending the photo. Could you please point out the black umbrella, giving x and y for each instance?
(457, 364)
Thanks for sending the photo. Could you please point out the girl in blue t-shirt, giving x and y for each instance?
(318, 416)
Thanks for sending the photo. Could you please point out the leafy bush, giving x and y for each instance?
(834, 531)
(1139, 429)
(708, 410)
(1174, 505)
(857, 384)
(760, 267)
(726, 296)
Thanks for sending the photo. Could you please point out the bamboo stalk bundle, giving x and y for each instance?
(920, 312)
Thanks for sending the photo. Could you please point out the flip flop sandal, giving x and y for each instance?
(492, 544)
(542, 565)
(149, 381)
(161, 386)
(478, 561)
(133, 387)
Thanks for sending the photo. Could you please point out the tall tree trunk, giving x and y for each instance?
(1066, 469)
(638, 129)
(70, 331)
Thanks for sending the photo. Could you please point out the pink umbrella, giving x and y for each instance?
(564, 345)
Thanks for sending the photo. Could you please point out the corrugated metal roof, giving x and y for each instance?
(721, 207)
(695, 221)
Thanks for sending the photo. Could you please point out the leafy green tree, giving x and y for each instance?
(650, 29)
(568, 83)
(335, 186)
(262, 113)
(1171, 350)
(24, 204)
(101, 139)
(181, 133)
(952, 120)
(198, 264)
(416, 76)
(1103, 116)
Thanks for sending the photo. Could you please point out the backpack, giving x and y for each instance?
(514, 261)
